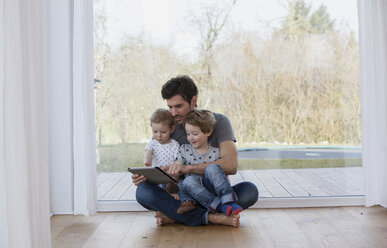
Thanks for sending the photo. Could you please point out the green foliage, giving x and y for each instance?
(300, 21)
(321, 21)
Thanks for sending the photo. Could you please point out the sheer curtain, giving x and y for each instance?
(24, 166)
(373, 57)
(24, 192)
(85, 191)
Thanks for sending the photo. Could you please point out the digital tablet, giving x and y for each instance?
(153, 174)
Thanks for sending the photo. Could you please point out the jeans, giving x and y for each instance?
(209, 190)
(152, 197)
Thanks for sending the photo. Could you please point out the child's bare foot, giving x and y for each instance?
(221, 219)
(162, 219)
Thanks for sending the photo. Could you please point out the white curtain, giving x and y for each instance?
(373, 58)
(85, 195)
(24, 185)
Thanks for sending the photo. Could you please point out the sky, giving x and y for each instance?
(165, 21)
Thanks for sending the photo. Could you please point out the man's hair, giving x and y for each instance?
(203, 119)
(162, 116)
(180, 85)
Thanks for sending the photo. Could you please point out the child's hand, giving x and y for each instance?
(175, 169)
(176, 196)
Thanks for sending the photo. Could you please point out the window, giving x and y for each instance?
(286, 73)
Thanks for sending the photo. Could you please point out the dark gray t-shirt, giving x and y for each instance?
(222, 132)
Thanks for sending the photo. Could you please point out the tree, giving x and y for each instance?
(321, 21)
(300, 21)
(210, 23)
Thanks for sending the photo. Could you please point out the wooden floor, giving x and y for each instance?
(298, 227)
(321, 182)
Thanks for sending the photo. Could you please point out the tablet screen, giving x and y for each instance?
(153, 174)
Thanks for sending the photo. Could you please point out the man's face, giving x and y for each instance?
(179, 107)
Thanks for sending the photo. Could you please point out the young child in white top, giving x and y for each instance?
(162, 149)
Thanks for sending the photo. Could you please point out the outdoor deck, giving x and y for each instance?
(272, 183)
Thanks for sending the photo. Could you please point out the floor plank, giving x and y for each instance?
(111, 232)
(314, 225)
(340, 227)
(77, 230)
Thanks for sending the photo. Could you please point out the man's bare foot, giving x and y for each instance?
(162, 219)
(221, 219)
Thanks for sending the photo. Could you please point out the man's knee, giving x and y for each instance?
(144, 193)
(247, 193)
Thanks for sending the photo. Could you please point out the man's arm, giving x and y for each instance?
(228, 161)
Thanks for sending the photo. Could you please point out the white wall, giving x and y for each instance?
(59, 78)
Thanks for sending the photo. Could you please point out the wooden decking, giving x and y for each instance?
(272, 183)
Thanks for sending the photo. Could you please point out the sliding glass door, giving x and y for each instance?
(286, 73)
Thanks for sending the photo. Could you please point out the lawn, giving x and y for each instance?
(117, 158)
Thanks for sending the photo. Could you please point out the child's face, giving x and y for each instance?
(195, 136)
(161, 132)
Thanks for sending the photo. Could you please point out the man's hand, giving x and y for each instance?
(138, 179)
(176, 169)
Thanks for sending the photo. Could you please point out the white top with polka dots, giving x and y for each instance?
(163, 154)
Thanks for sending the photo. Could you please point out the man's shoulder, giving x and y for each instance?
(221, 118)
(223, 130)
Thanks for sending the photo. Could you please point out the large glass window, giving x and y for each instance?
(286, 73)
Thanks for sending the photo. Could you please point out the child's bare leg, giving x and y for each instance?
(221, 219)
(162, 219)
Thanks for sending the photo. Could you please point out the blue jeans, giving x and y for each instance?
(209, 190)
(152, 197)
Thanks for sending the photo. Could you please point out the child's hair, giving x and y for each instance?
(203, 119)
(162, 116)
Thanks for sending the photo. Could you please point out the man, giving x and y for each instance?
(181, 95)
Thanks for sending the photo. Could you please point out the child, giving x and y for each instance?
(199, 125)
(162, 150)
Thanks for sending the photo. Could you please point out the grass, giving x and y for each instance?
(117, 158)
